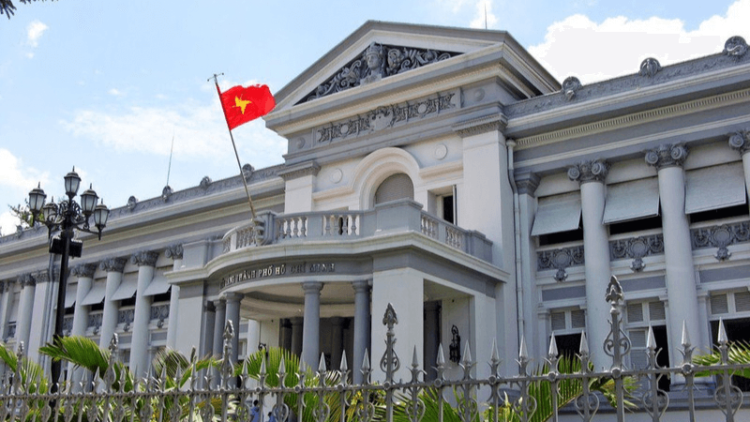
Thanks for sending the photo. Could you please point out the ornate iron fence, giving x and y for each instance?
(328, 395)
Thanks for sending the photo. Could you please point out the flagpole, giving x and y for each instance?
(234, 145)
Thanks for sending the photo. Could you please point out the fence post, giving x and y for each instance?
(390, 362)
(617, 344)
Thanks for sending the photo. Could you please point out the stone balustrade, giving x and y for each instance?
(389, 218)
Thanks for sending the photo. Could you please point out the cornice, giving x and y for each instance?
(632, 119)
(493, 122)
(308, 168)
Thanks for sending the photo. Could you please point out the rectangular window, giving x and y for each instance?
(641, 315)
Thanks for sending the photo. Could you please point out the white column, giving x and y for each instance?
(174, 252)
(311, 324)
(114, 268)
(740, 142)
(6, 289)
(253, 335)
(85, 274)
(678, 254)
(25, 309)
(233, 314)
(139, 343)
(43, 316)
(361, 327)
(219, 323)
(591, 175)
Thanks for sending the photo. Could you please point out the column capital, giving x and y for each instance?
(219, 303)
(526, 183)
(667, 155)
(42, 276)
(740, 142)
(116, 265)
(312, 286)
(26, 280)
(233, 297)
(174, 251)
(589, 171)
(361, 285)
(144, 258)
(84, 270)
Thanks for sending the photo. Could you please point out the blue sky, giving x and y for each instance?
(106, 85)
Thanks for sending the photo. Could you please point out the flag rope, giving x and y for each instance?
(234, 145)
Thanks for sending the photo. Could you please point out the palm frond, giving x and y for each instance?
(739, 352)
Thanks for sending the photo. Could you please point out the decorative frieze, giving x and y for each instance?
(720, 237)
(589, 171)
(667, 155)
(376, 62)
(147, 258)
(116, 265)
(174, 251)
(385, 117)
(84, 270)
(636, 248)
(560, 259)
(493, 123)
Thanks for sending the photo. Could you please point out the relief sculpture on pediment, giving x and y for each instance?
(376, 62)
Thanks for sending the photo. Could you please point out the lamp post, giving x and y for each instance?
(63, 219)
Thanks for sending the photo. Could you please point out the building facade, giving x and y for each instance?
(446, 172)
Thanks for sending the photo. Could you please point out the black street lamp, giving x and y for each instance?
(63, 219)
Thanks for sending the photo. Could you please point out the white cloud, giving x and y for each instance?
(484, 16)
(8, 223)
(14, 176)
(116, 92)
(34, 32)
(592, 51)
(199, 131)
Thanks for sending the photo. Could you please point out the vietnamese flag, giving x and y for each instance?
(242, 105)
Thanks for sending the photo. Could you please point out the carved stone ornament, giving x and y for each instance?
(26, 280)
(735, 47)
(527, 183)
(636, 248)
(720, 237)
(740, 141)
(570, 85)
(116, 265)
(376, 62)
(132, 202)
(247, 171)
(589, 171)
(147, 258)
(205, 182)
(560, 259)
(166, 193)
(667, 155)
(84, 270)
(174, 251)
(650, 67)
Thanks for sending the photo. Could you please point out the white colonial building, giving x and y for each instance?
(445, 171)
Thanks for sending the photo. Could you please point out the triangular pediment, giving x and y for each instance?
(376, 62)
(399, 49)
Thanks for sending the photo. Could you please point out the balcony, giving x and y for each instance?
(342, 226)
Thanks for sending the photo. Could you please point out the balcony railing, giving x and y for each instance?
(389, 218)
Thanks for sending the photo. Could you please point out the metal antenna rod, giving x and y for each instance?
(171, 150)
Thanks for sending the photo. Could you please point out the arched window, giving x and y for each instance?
(397, 186)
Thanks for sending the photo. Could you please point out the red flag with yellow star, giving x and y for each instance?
(243, 104)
